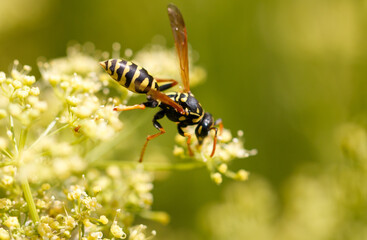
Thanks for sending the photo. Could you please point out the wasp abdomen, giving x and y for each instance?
(130, 75)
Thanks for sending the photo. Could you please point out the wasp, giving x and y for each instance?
(180, 107)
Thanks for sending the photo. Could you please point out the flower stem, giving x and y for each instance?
(48, 129)
(13, 133)
(23, 137)
(6, 153)
(24, 181)
(29, 199)
(151, 166)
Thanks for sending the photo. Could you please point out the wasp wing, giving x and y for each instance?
(180, 35)
(155, 94)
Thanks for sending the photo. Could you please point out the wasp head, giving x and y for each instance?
(204, 126)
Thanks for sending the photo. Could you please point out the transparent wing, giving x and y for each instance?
(180, 36)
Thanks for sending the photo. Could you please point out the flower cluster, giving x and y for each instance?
(54, 182)
(124, 189)
(19, 97)
(51, 153)
(76, 80)
(227, 149)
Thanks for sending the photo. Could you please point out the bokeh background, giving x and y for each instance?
(290, 74)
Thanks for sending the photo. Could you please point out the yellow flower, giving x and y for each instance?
(12, 222)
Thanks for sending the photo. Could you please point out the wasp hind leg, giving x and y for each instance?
(158, 126)
(168, 85)
(188, 138)
(150, 104)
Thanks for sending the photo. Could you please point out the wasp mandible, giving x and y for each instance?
(180, 107)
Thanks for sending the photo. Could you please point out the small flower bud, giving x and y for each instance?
(5, 203)
(40, 204)
(27, 68)
(12, 222)
(217, 178)
(226, 136)
(67, 234)
(87, 223)
(70, 222)
(44, 230)
(102, 219)
(72, 100)
(96, 235)
(242, 175)
(178, 151)
(45, 186)
(17, 84)
(223, 168)
(64, 85)
(22, 94)
(54, 80)
(29, 80)
(35, 91)
(7, 180)
(117, 231)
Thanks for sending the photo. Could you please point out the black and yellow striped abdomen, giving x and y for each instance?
(130, 75)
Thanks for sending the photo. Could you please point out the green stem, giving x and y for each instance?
(23, 138)
(46, 132)
(152, 166)
(6, 153)
(29, 199)
(13, 133)
(24, 181)
(13, 163)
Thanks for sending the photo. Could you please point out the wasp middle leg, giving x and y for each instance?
(158, 126)
(188, 137)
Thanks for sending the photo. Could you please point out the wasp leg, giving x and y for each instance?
(217, 122)
(158, 126)
(168, 85)
(150, 104)
(215, 141)
(220, 123)
(188, 136)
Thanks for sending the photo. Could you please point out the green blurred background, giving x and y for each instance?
(288, 73)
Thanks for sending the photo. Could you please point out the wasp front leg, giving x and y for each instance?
(158, 126)
(150, 104)
(188, 137)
